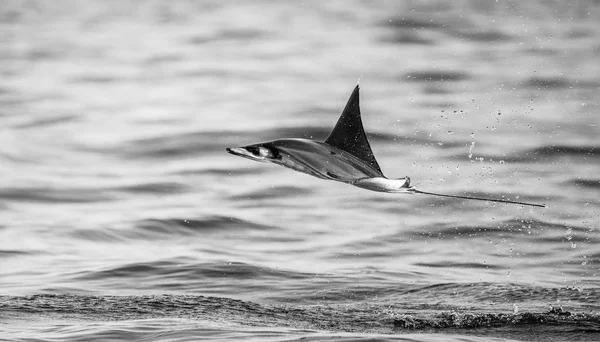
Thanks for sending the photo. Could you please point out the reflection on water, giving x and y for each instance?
(115, 181)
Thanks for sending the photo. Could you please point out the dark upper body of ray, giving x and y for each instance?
(344, 156)
(322, 160)
(349, 135)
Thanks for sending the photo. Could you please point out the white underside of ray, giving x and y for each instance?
(381, 184)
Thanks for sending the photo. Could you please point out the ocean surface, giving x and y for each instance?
(123, 218)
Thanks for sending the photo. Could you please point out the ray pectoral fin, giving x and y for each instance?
(477, 198)
(349, 135)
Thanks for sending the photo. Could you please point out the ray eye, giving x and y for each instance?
(264, 152)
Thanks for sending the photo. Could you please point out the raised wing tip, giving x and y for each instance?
(349, 135)
(354, 96)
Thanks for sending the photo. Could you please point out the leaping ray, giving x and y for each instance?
(345, 156)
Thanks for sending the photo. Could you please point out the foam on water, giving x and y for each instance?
(554, 323)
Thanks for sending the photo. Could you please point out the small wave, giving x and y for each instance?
(453, 26)
(5, 91)
(229, 35)
(50, 195)
(535, 230)
(177, 145)
(434, 89)
(175, 228)
(548, 83)
(449, 231)
(481, 35)
(97, 79)
(587, 183)
(316, 111)
(572, 238)
(186, 272)
(552, 232)
(547, 226)
(543, 51)
(224, 172)
(276, 192)
(541, 154)
(180, 226)
(161, 59)
(47, 121)
(468, 265)
(6, 253)
(153, 188)
(415, 23)
(305, 132)
(563, 150)
(436, 76)
(207, 73)
(408, 38)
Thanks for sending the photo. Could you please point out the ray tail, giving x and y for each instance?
(477, 198)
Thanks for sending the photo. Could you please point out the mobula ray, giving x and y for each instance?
(345, 156)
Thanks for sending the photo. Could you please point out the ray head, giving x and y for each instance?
(263, 152)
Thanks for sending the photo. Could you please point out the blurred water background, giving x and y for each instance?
(122, 217)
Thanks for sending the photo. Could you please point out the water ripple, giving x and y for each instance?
(181, 274)
(52, 195)
(179, 226)
(276, 192)
(587, 183)
(436, 76)
(542, 154)
(153, 188)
